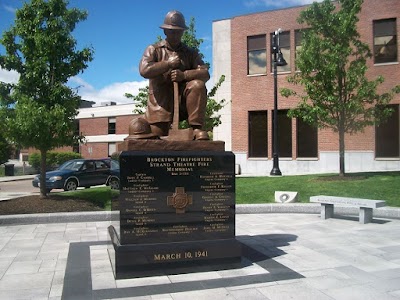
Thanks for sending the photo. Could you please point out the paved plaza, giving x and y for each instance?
(285, 256)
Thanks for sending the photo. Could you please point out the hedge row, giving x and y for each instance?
(53, 159)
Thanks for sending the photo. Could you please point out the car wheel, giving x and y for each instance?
(48, 191)
(71, 185)
(114, 183)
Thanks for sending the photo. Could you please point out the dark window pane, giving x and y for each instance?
(258, 134)
(298, 36)
(387, 136)
(257, 61)
(111, 125)
(256, 55)
(384, 27)
(75, 148)
(284, 45)
(256, 42)
(284, 134)
(307, 139)
(385, 41)
(77, 128)
(284, 39)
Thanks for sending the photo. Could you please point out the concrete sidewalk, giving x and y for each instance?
(285, 256)
(10, 195)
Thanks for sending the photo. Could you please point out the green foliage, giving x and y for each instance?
(115, 156)
(39, 111)
(62, 157)
(189, 38)
(53, 159)
(5, 149)
(140, 100)
(213, 119)
(34, 160)
(332, 64)
(100, 196)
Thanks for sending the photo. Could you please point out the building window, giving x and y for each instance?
(284, 133)
(307, 139)
(387, 136)
(112, 148)
(298, 36)
(284, 45)
(111, 125)
(258, 134)
(385, 41)
(75, 146)
(256, 54)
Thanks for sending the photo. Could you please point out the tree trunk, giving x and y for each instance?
(341, 153)
(43, 190)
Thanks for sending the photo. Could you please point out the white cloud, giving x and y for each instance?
(9, 8)
(275, 4)
(113, 92)
(8, 76)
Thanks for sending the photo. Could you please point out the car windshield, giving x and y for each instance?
(71, 165)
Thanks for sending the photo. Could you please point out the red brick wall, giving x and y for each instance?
(93, 126)
(99, 150)
(256, 92)
(123, 124)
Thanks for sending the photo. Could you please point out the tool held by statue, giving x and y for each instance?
(176, 134)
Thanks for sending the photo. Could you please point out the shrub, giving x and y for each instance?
(53, 159)
(34, 160)
(62, 157)
(115, 156)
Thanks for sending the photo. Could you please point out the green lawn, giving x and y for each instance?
(101, 196)
(379, 186)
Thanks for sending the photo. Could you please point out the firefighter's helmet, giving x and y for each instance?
(174, 20)
(139, 128)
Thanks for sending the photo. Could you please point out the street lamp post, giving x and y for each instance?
(278, 61)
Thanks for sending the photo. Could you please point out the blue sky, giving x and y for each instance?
(120, 30)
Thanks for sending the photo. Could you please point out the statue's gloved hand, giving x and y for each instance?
(177, 75)
(174, 62)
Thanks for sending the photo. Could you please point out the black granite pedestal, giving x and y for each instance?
(177, 212)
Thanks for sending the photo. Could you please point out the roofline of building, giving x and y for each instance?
(265, 11)
(106, 111)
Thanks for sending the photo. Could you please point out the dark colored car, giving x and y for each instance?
(82, 173)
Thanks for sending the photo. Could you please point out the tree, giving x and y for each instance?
(39, 110)
(212, 118)
(5, 150)
(332, 64)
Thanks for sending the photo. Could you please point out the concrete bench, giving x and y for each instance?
(366, 206)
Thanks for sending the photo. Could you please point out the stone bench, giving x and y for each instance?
(366, 206)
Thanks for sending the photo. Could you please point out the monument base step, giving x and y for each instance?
(130, 261)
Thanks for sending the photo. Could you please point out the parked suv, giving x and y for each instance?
(82, 173)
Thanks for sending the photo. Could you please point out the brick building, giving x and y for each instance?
(247, 120)
(103, 127)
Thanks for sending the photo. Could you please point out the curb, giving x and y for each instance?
(16, 178)
(292, 208)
